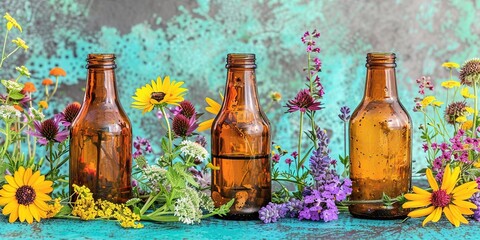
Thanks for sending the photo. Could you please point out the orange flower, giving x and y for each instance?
(47, 81)
(57, 71)
(29, 87)
(18, 107)
(43, 104)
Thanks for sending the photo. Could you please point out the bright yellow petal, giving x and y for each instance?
(43, 197)
(429, 218)
(416, 204)
(465, 187)
(13, 216)
(11, 181)
(4, 193)
(437, 214)
(464, 204)
(452, 181)
(465, 195)
(457, 215)
(431, 180)
(413, 196)
(43, 185)
(446, 177)
(41, 205)
(9, 188)
(205, 125)
(465, 211)
(418, 190)
(27, 175)
(10, 207)
(28, 215)
(5, 200)
(18, 175)
(450, 217)
(33, 178)
(34, 212)
(213, 106)
(39, 180)
(421, 212)
(22, 212)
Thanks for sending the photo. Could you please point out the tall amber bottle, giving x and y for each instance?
(101, 136)
(241, 143)
(380, 143)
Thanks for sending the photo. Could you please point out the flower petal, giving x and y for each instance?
(421, 212)
(11, 181)
(450, 217)
(428, 218)
(27, 175)
(43, 197)
(4, 193)
(13, 216)
(41, 205)
(453, 180)
(464, 204)
(437, 214)
(22, 212)
(18, 175)
(446, 177)
(465, 186)
(5, 200)
(457, 214)
(33, 210)
(413, 196)
(431, 180)
(10, 207)
(465, 211)
(416, 204)
(28, 215)
(9, 188)
(418, 190)
(33, 178)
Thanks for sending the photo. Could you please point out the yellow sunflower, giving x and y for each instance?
(451, 200)
(213, 108)
(160, 93)
(24, 196)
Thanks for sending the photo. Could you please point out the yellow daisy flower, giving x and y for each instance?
(467, 125)
(213, 108)
(24, 196)
(451, 200)
(450, 84)
(437, 103)
(159, 93)
(466, 94)
(427, 101)
(450, 65)
(20, 43)
(461, 119)
(12, 22)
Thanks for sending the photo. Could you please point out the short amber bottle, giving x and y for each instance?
(241, 144)
(380, 143)
(101, 136)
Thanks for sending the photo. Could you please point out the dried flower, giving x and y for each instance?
(455, 110)
(303, 102)
(470, 72)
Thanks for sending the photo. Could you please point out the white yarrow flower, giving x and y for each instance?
(188, 207)
(12, 85)
(194, 150)
(9, 112)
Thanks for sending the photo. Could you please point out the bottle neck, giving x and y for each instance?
(101, 86)
(241, 90)
(381, 83)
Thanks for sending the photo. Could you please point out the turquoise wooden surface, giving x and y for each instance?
(344, 228)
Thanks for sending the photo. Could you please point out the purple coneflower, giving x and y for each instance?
(183, 126)
(49, 131)
(303, 102)
(187, 109)
(70, 113)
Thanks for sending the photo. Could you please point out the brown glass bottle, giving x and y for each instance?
(380, 143)
(101, 136)
(241, 144)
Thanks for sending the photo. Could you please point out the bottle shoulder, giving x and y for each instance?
(381, 109)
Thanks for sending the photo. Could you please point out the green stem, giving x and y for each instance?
(3, 51)
(475, 109)
(169, 134)
(299, 150)
(7, 140)
(54, 89)
(12, 53)
(314, 129)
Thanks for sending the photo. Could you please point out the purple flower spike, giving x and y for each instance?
(344, 114)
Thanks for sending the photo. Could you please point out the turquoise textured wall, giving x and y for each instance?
(189, 40)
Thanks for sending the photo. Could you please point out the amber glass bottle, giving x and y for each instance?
(101, 136)
(241, 143)
(380, 143)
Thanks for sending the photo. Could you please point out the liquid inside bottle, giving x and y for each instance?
(241, 144)
(380, 143)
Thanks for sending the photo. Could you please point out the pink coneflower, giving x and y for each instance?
(49, 131)
(303, 102)
(187, 109)
(70, 113)
(183, 126)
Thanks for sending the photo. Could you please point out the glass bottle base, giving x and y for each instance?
(239, 217)
(378, 212)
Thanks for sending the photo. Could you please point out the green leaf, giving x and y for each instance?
(133, 201)
(66, 210)
(16, 95)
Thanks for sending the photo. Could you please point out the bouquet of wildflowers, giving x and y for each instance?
(318, 188)
(452, 147)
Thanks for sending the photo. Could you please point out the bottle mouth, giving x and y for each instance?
(241, 60)
(381, 59)
(101, 60)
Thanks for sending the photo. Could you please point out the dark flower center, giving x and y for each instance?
(25, 195)
(440, 198)
(159, 96)
(49, 129)
(188, 110)
(71, 112)
(180, 125)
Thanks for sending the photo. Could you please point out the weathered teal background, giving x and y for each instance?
(189, 40)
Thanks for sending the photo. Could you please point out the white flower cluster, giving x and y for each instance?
(194, 150)
(9, 112)
(189, 207)
(155, 176)
(12, 85)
